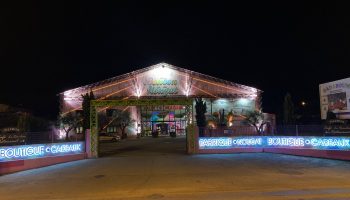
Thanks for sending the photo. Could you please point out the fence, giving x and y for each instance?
(300, 130)
(230, 131)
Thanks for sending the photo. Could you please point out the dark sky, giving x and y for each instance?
(47, 47)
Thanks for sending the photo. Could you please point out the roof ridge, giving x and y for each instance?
(138, 71)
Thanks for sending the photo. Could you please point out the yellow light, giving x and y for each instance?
(114, 93)
(100, 99)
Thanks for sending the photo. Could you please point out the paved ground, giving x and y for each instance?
(158, 169)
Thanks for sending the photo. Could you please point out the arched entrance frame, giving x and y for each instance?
(190, 135)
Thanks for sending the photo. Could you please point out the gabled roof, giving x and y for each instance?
(139, 71)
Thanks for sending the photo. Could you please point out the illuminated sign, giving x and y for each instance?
(215, 142)
(24, 152)
(321, 143)
(226, 142)
(12, 138)
(163, 107)
(162, 86)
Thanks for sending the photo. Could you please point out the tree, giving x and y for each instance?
(201, 109)
(23, 123)
(256, 119)
(86, 109)
(223, 119)
(288, 110)
(122, 119)
(69, 122)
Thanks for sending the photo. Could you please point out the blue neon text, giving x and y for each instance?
(39, 150)
(325, 143)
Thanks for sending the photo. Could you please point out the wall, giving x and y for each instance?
(24, 157)
(322, 147)
(20, 165)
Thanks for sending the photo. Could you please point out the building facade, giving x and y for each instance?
(224, 99)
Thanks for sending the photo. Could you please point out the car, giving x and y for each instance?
(109, 137)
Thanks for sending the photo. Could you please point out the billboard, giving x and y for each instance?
(335, 97)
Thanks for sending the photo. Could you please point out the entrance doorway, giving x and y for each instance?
(164, 119)
(173, 115)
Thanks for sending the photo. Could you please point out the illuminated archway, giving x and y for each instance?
(94, 145)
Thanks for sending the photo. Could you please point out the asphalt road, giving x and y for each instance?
(158, 168)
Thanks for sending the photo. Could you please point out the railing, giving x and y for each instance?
(300, 130)
(229, 131)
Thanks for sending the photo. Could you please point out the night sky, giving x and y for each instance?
(48, 47)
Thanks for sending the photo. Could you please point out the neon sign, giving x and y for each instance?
(24, 152)
(215, 142)
(162, 86)
(227, 142)
(164, 82)
(322, 143)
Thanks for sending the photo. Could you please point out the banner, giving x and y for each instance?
(23, 152)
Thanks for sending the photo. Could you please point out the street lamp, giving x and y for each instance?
(303, 103)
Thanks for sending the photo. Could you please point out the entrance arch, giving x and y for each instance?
(188, 103)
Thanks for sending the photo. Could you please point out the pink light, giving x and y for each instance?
(204, 91)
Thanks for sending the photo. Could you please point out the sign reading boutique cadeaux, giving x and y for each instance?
(320, 143)
(23, 152)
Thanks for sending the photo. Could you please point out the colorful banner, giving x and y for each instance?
(320, 143)
(23, 152)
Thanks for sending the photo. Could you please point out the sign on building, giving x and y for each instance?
(335, 97)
